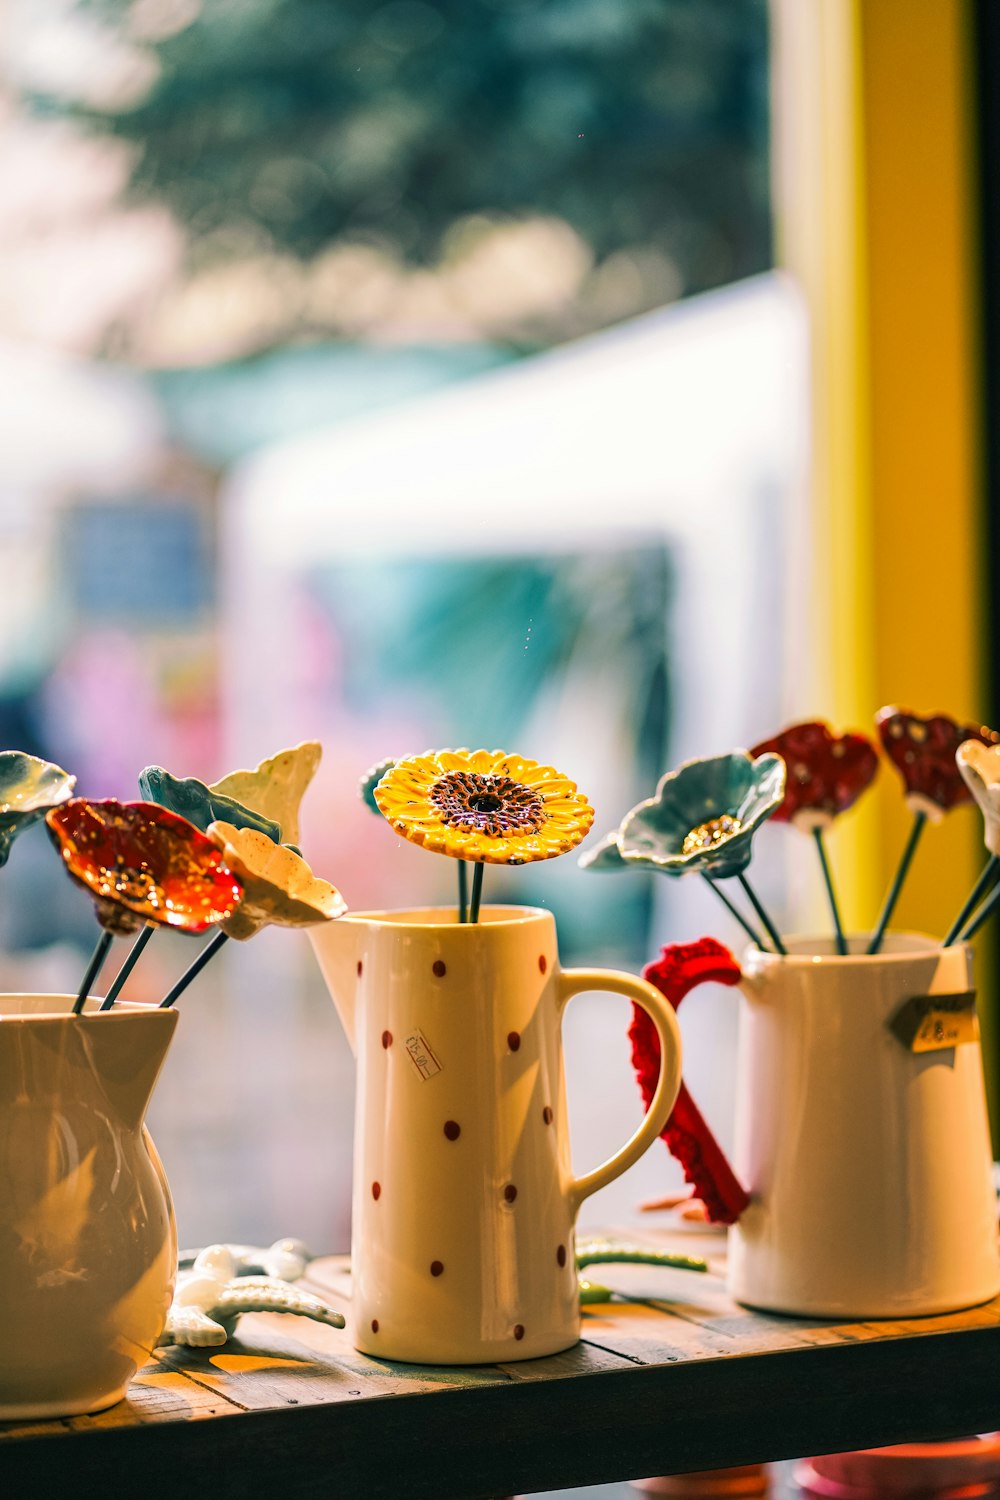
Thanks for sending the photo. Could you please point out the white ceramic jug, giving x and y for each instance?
(88, 1248)
(861, 1133)
(464, 1196)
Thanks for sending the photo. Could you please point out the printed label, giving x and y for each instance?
(932, 1023)
(421, 1056)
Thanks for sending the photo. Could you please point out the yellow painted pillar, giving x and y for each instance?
(875, 202)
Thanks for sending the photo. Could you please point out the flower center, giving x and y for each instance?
(707, 835)
(133, 882)
(494, 805)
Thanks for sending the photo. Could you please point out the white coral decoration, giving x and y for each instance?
(210, 1297)
(980, 768)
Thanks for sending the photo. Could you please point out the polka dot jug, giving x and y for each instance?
(464, 1195)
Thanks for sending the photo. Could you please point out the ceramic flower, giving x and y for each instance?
(278, 885)
(979, 767)
(142, 863)
(370, 780)
(275, 789)
(200, 804)
(923, 751)
(704, 815)
(29, 787)
(484, 805)
(826, 772)
(605, 856)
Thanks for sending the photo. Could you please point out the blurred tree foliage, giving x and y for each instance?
(290, 124)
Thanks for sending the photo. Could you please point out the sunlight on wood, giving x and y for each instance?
(244, 1364)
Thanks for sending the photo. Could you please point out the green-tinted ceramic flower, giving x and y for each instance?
(201, 804)
(29, 787)
(370, 780)
(275, 789)
(704, 815)
(605, 857)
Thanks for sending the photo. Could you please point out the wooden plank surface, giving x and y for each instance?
(673, 1376)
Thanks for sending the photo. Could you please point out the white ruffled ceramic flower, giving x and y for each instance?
(980, 768)
(276, 788)
(278, 885)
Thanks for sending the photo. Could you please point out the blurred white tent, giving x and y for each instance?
(689, 424)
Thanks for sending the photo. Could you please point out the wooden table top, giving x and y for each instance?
(673, 1377)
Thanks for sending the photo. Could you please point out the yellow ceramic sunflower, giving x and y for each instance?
(484, 805)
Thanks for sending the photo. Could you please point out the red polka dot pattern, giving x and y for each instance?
(513, 1040)
(376, 1191)
(439, 967)
(452, 1129)
(374, 1325)
(519, 1330)
(547, 1114)
(561, 1255)
(510, 1192)
(360, 968)
(543, 963)
(387, 1039)
(437, 1266)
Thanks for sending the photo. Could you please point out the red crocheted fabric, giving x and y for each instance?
(678, 969)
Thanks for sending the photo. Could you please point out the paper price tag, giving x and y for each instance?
(421, 1056)
(933, 1023)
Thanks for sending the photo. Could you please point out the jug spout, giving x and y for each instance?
(337, 946)
(108, 1060)
(126, 1048)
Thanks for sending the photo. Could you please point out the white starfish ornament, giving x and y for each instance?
(211, 1296)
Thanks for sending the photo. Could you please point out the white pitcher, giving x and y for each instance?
(464, 1196)
(88, 1248)
(861, 1133)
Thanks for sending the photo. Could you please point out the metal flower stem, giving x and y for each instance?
(828, 880)
(94, 968)
(986, 910)
(734, 912)
(477, 891)
(919, 820)
(982, 885)
(463, 892)
(768, 925)
(127, 966)
(195, 969)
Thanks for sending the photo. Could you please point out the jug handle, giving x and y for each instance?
(662, 1022)
(680, 967)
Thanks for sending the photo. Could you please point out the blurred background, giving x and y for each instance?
(606, 380)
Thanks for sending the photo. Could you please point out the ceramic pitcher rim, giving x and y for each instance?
(806, 951)
(61, 1011)
(427, 918)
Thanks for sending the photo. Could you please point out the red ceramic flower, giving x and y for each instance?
(923, 752)
(143, 863)
(827, 772)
